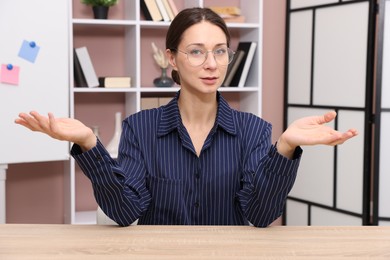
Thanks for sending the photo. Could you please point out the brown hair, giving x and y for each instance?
(185, 19)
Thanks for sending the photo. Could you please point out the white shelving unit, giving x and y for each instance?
(247, 98)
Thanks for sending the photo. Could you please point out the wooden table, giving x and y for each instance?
(25, 241)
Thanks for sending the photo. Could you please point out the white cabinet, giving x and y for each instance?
(132, 35)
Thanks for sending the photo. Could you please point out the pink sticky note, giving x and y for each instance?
(9, 74)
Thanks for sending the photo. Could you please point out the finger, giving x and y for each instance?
(22, 122)
(28, 121)
(329, 116)
(37, 116)
(42, 121)
(52, 123)
(344, 137)
(20, 118)
(353, 131)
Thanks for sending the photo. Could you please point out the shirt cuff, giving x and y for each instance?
(282, 165)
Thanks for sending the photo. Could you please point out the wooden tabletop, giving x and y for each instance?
(41, 241)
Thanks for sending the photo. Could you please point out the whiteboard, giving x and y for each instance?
(43, 81)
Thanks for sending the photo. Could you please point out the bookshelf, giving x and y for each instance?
(121, 46)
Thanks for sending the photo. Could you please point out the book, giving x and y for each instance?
(168, 9)
(173, 7)
(79, 78)
(233, 66)
(150, 10)
(163, 11)
(114, 82)
(234, 18)
(245, 46)
(230, 10)
(247, 64)
(87, 67)
(145, 11)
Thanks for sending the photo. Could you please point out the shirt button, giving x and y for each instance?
(99, 158)
(196, 204)
(197, 175)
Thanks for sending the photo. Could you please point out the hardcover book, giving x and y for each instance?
(79, 78)
(240, 75)
(163, 11)
(168, 9)
(150, 7)
(233, 66)
(87, 67)
(247, 64)
(115, 82)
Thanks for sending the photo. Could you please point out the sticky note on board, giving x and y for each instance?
(9, 74)
(29, 51)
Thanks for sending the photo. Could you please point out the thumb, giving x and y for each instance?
(329, 116)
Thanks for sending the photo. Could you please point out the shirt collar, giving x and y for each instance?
(170, 117)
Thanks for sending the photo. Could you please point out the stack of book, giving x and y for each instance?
(231, 14)
(238, 69)
(159, 10)
(114, 82)
(85, 75)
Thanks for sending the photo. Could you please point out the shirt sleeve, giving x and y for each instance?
(267, 179)
(119, 186)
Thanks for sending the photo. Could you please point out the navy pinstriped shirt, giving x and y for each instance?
(238, 177)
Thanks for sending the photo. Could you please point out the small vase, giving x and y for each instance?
(164, 81)
(100, 12)
(113, 145)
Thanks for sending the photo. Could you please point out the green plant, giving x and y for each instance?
(100, 2)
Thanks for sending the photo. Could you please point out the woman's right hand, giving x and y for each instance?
(64, 129)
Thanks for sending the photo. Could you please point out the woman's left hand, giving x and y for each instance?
(312, 130)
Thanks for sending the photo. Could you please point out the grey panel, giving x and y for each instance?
(350, 163)
(325, 217)
(300, 52)
(297, 213)
(384, 166)
(308, 3)
(340, 55)
(385, 99)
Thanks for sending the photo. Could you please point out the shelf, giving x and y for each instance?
(103, 90)
(95, 22)
(149, 24)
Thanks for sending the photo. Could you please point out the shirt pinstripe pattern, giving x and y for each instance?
(239, 177)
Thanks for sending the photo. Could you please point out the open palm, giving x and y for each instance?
(66, 129)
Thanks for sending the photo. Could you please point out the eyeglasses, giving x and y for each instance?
(197, 56)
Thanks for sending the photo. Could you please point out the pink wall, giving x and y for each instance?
(35, 190)
(273, 63)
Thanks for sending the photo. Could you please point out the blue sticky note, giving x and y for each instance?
(29, 51)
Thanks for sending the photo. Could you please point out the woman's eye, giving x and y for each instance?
(196, 52)
(220, 51)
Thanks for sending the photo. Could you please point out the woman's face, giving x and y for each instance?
(200, 38)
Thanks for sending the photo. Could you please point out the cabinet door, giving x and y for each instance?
(35, 38)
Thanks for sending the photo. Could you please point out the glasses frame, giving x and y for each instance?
(230, 51)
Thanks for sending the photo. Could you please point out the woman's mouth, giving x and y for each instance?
(209, 80)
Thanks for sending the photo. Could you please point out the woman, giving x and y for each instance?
(194, 161)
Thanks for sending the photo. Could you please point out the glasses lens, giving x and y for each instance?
(197, 56)
(223, 55)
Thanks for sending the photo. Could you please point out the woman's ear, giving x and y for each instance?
(171, 58)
